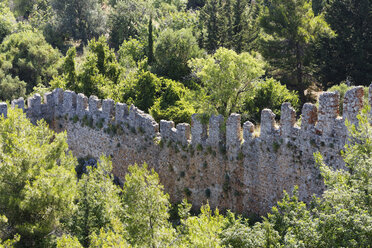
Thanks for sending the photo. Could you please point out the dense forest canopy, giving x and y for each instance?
(173, 58)
(164, 55)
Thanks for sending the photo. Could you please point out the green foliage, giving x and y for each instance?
(78, 19)
(348, 54)
(11, 88)
(202, 230)
(145, 208)
(98, 74)
(98, 203)
(29, 57)
(7, 21)
(172, 51)
(146, 91)
(267, 93)
(69, 69)
(226, 75)
(232, 24)
(290, 32)
(128, 19)
(173, 104)
(37, 179)
(131, 52)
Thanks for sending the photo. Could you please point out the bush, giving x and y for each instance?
(172, 51)
(172, 104)
(28, 56)
(267, 93)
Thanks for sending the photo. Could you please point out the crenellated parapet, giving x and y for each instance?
(328, 112)
(217, 158)
(323, 121)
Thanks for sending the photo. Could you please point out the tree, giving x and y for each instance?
(37, 179)
(128, 19)
(29, 57)
(270, 94)
(173, 104)
(150, 53)
(7, 21)
(11, 88)
(79, 19)
(99, 71)
(209, 16)
(130, 53)
(225, 76)
(348, 55)
(145, 209)
(290, 31)
(98, 203)
(172, 51)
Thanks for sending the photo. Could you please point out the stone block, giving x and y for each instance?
(3, 109)
(287, 119)
(215, 136)
(199, 130)
(34, 105)
(183, 133)
(20, 103)
(58, 97)
(69, 103)
(328, 112)
(108, 109)
(233, 133)
(353, 104)
(94, 105)
(267, 124)
(309, 117)
(81, 105)
(248, 129)
(121, 111)
(167, 129)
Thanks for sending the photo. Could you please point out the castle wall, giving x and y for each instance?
(228, 167)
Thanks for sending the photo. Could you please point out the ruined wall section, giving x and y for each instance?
(227, 165)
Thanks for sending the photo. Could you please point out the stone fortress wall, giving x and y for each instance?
(227, 166)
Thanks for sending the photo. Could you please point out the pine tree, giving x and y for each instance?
(349, 54)
(290, 31)
(150, 43)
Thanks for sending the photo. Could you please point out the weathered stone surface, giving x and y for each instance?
(309, 117)
(183, 133)
(328, 112)
(248, 129)
(353, 103)
(215, 136)
(69, 103)
(3, 109)
(167, 129)
(81, 105)
(287, 119)
(199, 131)
(139, 119)
(20, 103)
(34, 105)
(94, 108)
(233, 134)
(267, 124)
(121, 112)
(108, 110)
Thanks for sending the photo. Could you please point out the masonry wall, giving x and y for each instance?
(230, 169)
